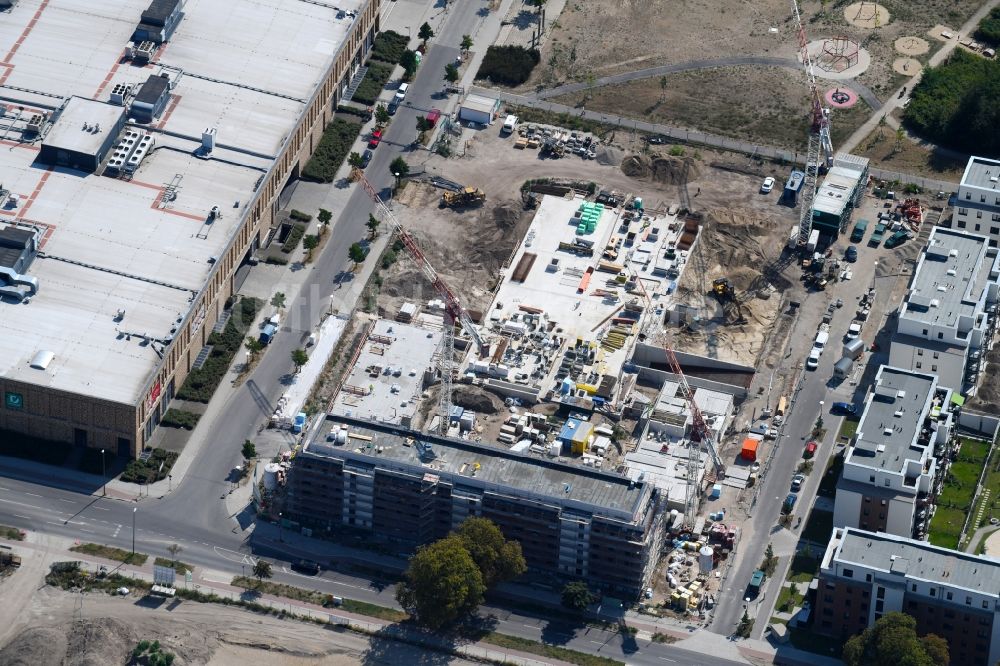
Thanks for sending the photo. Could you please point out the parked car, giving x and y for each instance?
(844, 408)
(797, 481)
(813, 361)
(366, 157)
(767, 185)
(756, 582)
(810, 450)
(789, 503)
(851, 254)
(376, 139)
(306, 567)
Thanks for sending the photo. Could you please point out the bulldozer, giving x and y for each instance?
(723, 290)
(467, 196)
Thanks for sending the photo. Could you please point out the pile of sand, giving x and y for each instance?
(667, 170)
(41, 645)
(95, 642)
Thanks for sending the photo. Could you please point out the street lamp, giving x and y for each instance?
(279, 527)
(104, 476)
(874, 274)
(170, 482)
(134, 510)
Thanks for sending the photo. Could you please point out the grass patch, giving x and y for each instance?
(318, 598)
(659, 637)
(946, 527)
(150, 471)
(810, 642)
(848, 427)
(11, 533)
(545, 650)
(178, 418)
(69, 576)
(389, 46)
(201, 383)
(981, 547)
(804, 567)
(786, 601)
(373, 84)
(180, 567)
(955, 502)
(111, 553)
(778, 620)
(818, 527)
(338, 137)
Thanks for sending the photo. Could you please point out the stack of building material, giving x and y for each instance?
(616, 338)
(589, 214)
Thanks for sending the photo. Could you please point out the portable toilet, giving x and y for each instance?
(299, 423)
(716, 491)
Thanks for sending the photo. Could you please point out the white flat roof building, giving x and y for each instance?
(891, 462)
(129, 262)
(977, 208)
(950, 304)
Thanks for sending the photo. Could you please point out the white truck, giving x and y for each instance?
(509, 125)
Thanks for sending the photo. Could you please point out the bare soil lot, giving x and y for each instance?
(910, 156)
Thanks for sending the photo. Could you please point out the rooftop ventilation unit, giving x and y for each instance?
(35, 123)
(120, 93)
(144, 52)
(41, 360)
(208, 140)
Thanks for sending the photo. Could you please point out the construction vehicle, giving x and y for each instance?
(819, 135)
(723, 290)
(455, 312)
(467, 196)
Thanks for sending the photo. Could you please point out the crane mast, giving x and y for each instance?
(453, 310)
(819, 135)
(701, 434)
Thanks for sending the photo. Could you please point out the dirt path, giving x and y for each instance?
(17, 589)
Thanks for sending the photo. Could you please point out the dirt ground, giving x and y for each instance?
(912, 156)
(728, 199)
(95, 629)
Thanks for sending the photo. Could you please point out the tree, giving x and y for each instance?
(324, 216)
(443, 584)
(893, 640)
(408, 61)
(898, 144)
(577, 596)
(254, 346)
(373, 224)
(299, 358)
(278, 300)
(451, 72)
(745, 626)
(382, 114)
(498, 559)
(262, 570)
(249, 450)
(423, 124)
(425, 33)
(663, 87)
(770, 561)
(310, 242)
(173, 549)
(466, 42)
(399, 168)
(357, 253)
(354, 159)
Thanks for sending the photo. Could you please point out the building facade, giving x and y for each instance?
(952, 594)
(977, 208)
(40, 410)
(407, 488)
(891, 465)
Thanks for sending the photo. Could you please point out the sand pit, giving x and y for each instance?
(992, 545)
(912, 46)
(868, 15)
(837, 58)
(907, 66)
(942, 33)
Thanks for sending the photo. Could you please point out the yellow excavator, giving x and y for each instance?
(467, 196)
(726, 293)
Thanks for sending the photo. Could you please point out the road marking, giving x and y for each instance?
(117, 530)
(88, 531)
(101, 508)
(672, 661)
(67, 501)
(20, 516)
(33, 494)
(597, 642)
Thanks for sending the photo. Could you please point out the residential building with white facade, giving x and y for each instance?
(947, 317)
(977, 208)
(890, 466)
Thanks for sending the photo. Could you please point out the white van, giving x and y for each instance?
(400, 93)
(821, 339)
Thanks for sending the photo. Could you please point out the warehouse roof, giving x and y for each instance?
(83, 125)
(111, 244)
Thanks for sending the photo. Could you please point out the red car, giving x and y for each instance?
(810, 450)
(376, 139)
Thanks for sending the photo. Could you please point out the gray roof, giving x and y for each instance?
(919, 560)
(895, 412)
(950, 278)
(68, 133)
(980, 172)
(498, 470)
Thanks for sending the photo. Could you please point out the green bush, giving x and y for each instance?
(178, 418)
(389, 46)
(338, 137)
(957, 105)
(371, 86)
(278, 261)
(299, 216)
(293, 238)
(353, 111)
(150, 471)
(202, 382)
(989, 28)
(508, 65)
